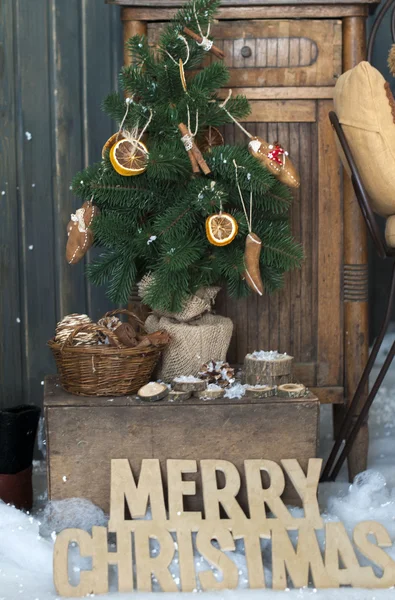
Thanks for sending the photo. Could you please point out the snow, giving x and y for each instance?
(187, 379)
(235, 391)
(26, 541)
(214, 387)
(267, 355)
(28, 135)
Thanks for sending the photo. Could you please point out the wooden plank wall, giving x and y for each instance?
(58, 60)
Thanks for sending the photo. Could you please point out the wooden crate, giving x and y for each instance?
(85, 433)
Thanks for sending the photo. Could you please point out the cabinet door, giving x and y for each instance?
(277, 52)
(299, 62)
(303, 319)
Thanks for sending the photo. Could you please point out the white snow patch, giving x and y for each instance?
(187, 379)
(74, 512)
(28, 135)
(267, 355)
(151, 239)
(235, 391)
(214, 387)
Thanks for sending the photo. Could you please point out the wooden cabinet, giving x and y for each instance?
(285, 57)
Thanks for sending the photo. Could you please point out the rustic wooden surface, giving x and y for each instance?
(53, 80)
(356, 325)
(289, 77)
(83, 434)
(244, 3)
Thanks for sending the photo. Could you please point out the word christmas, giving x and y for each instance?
(268, 518)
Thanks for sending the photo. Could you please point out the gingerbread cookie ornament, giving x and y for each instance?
(276, 160)
(79, 232)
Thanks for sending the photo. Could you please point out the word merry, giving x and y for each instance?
(268, 518)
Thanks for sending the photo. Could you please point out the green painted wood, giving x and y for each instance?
(65, 65)
(34, 167)
(100, 28)
(57, 62)
(11, 341)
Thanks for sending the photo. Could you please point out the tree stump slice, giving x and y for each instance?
(291, 390)
(261, 391)
(177, 395)
(208, 394)
(267, 372)
(198, 385)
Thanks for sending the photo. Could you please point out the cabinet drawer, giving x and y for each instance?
(277, 52)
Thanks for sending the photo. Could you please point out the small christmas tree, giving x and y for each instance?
(176, 204)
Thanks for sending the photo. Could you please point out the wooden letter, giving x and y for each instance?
(306, 486)
(147, 565)
(102, 558)
(186, 559)
(252, 534)
(374, 553)
(123, 486)
(63, 587)
(230, 575)
(178, 487)
(226, 496)
(297, 562)
(338, 546)
(258, 496)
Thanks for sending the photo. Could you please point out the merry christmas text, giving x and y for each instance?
(181, 531)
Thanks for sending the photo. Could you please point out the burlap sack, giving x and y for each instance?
(191, 344)
(195, 306)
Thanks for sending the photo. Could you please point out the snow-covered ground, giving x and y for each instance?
(26, 542)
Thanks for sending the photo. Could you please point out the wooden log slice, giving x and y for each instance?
(259, 371)
(209, 394)
(174, 395)
(153, 391)
(197, 385)
(260, 391)
(291, 390)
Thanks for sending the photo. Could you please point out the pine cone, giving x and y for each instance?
(217, 372)
(109, 323)
(126, 335)
(68, 324)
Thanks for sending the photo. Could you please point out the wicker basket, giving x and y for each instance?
(104, 370)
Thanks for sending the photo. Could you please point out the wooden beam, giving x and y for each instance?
(153, 13)
(282, 93)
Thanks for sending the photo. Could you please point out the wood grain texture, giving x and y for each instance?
(34, 164)
(11, 339)
(330, 252)
(273, 11)
(83, 438)
(247, 3)
(355, 258)
(52, 83)
(282, 52)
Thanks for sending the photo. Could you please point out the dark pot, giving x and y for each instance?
(18, 429)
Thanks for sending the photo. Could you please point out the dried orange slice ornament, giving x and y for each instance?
(129, 157)
(221, 229)
(110, 142)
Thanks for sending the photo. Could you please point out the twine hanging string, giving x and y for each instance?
(206, 44)
(184, 62)
(187, 139)
(223, 105)
(128, 101)
(248, 219)
(132, 136)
